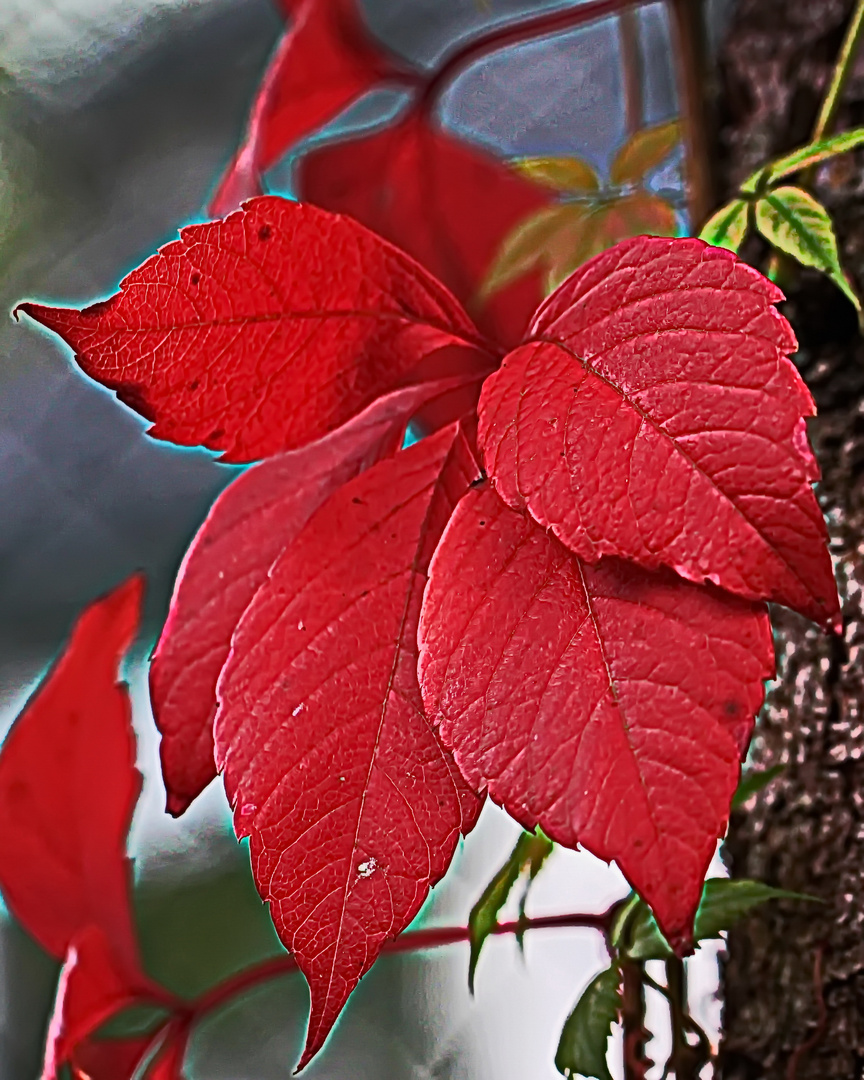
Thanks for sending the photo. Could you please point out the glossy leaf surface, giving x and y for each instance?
(608, 704)
(254, 303)
(795, 223)
(447, 203)
(352, 807)
(582, 1047)
(728, 227)
(656, 417)
(68, 787)
(261, 512)
(325, 60)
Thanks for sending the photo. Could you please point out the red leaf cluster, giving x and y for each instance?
(68, 786)
(366, 640)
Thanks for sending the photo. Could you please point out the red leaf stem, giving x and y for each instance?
(411, 941)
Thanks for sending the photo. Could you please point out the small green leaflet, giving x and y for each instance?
(724, 902)
(562, 173)
(795, 223)
(643, 152)
(529, 854)
(582, 1048)
(752, 781)
(528, 244)
(728, 227)
(812, 154)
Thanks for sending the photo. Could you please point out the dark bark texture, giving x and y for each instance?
(794, 973)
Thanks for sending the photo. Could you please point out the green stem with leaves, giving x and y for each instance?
(840, 76)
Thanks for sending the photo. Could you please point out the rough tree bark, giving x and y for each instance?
(794, 974)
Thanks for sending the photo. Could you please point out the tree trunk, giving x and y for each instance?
(793, 979)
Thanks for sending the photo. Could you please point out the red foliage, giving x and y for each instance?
(325, 60)
(352, 807)
(250, 523)
(656, 417)
(68, 787)
(608, 704)
(447, 203)
(651, 420)
(307, 317)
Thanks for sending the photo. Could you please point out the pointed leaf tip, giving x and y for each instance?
(607, 704)
(656, 417)
(303, 352)
(352, 807)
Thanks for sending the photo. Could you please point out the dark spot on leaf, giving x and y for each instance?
(482, 522)
(194, 384)
(731, 708)
(195, 279)
(216, 434)
(133, 396)
(265, 232)
(357, 500)
(100, 308)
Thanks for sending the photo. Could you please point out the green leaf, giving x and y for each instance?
(526, 246)
(541, 849)
(752, 781)
(529, 854)
(644, 151)
(795, 223)
(134, 1021)
(811, 154)
(582, 1047)
(728, 227)
(561, 173)
(724, 902)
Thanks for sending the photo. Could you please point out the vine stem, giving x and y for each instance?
(554, 22)
(412, 941)
(840, 76)
(631, 64)
(692, 63)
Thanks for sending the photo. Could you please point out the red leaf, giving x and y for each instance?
(169, 1063)
(308, 317)
(448, 204)
(261, 512)
(657, 417)
(325, 61)
(92, 988)
(609, 704)
(352, 808)
(68, 787)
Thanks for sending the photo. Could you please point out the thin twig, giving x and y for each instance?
(516, 33)
(412, 941)
(842, 71)
(636, 1062)
(821, 1018)
(631, 69)
(691, 67)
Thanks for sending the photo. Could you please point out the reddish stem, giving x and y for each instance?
(412, 941)
(554, 22)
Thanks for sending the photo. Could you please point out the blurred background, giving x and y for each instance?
(116, 119)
